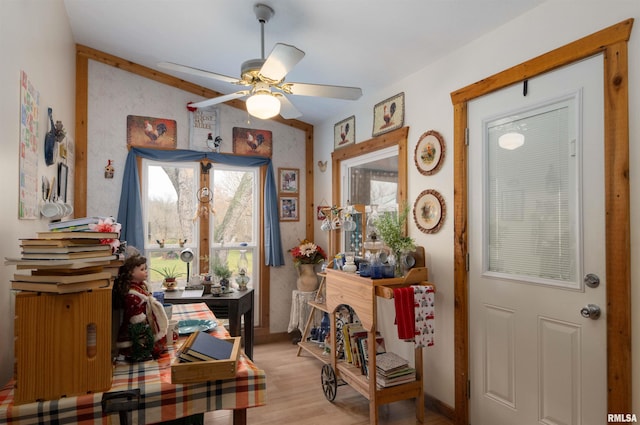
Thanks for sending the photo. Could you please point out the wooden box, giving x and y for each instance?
(190, 373)
(62, 344)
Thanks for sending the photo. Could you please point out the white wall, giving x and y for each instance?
(114, 94)
(34, 37)
(428, 107)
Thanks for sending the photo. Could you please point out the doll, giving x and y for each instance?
(142, 334)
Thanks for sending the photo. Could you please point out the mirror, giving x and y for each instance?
(368, 172)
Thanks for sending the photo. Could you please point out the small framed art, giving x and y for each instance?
(429, 153)
(388, 115)
(288, 179)
(429, 211)
(289, 208)
(344, 132)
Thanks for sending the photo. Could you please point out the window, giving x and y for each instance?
(169, 205)
(234, 226)
(176, 208)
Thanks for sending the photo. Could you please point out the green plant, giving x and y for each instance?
(168, 272)
(391, 229)
(221, 270)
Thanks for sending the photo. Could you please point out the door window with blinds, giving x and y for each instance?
(532, 221)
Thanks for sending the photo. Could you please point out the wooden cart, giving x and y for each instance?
(360, 294)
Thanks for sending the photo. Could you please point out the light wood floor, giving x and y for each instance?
(294, 396)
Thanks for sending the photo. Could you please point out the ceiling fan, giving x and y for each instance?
(264, 79)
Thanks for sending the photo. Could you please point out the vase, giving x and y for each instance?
(307, 278)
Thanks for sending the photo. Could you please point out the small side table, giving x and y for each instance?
(235, 306)
(300, 310)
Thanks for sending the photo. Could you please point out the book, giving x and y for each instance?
(62, 279)
(207, 347)
(53, 271)
(390, 361)
(60, 288)
(79, 234)
(65, 255)
(76, 263)
(39, 249)
(74, 222)
(39, 242)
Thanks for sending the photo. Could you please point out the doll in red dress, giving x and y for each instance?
(143, 331)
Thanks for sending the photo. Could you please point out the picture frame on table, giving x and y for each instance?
(429, 153)
(429, 211)
(289, 208)
(344, 132)
(288, 181)
(388, 115)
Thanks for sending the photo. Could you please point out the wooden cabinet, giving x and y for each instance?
(361, 294)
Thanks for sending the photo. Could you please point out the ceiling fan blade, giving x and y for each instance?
(280, 61)
(219, 99)
(335, 92)
(198, 72)
(287, 109)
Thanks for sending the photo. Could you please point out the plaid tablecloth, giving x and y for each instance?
(160, 399)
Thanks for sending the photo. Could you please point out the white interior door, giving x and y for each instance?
(536, 229)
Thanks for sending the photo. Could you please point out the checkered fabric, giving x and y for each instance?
(160, 400)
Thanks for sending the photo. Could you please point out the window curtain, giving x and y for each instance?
(130, 209)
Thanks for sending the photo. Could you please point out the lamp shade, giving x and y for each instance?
(263, 105)
(511, 141)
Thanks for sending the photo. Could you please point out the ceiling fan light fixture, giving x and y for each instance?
(263, 105)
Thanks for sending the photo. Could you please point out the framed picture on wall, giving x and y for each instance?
(203, 123)
(289, 210)
(388, 115)
(249, 141)
(148, 132)
(288, 180)
(344, 132)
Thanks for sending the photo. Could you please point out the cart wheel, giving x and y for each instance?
(329, 382)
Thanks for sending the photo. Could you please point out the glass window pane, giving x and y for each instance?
(532, 196)
(169, 204)
(235, 202)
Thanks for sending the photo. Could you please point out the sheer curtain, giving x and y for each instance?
(130, 209)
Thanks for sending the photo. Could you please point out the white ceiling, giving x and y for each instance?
(362, 43)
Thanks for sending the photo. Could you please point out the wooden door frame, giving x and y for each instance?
(612, 42)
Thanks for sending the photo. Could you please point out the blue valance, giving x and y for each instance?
(130, 210)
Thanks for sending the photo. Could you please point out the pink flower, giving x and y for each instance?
(106, 226)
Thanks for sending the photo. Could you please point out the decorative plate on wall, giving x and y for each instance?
(429, 153)
(429, 211)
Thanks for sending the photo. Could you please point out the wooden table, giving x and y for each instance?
(234, 306)
(160, 399)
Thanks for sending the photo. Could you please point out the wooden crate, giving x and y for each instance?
(190, 373)
(53, 358)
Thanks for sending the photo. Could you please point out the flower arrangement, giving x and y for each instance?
(307, 253)
(391, 230)
(107, 225)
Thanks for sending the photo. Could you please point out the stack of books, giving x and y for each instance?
(63, 262)
(392, 369)
(201, 346)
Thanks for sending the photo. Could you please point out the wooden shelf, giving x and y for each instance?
(361, 295)
(315, 350)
